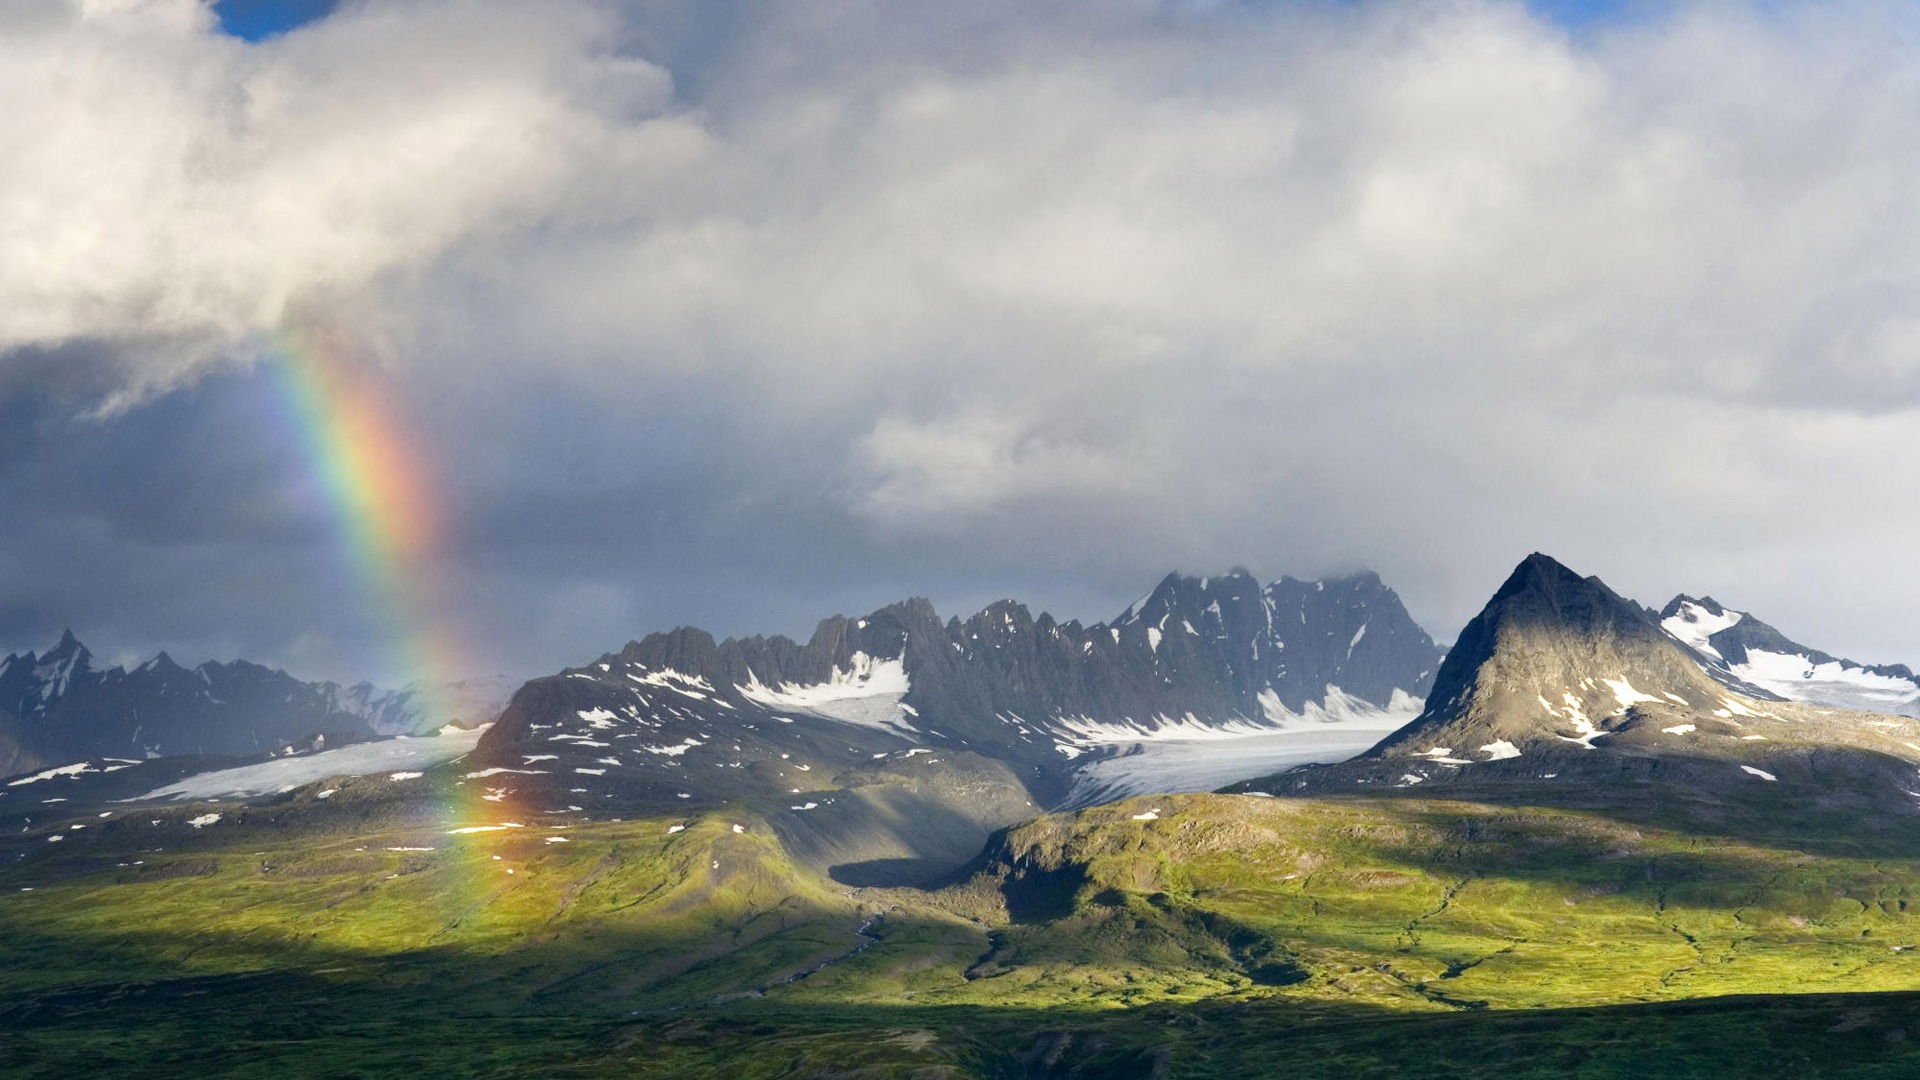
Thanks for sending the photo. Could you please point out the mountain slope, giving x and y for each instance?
(1745, 652)
(1562, 691)
(60, 707)
(681, 716)
(1550, 657)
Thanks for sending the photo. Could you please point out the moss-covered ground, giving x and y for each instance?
(1218, 937)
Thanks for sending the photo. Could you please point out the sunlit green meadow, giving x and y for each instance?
(1225, 936)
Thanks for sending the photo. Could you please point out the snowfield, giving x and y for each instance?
(1185, 755)
(362, 759)
(1834, 685)
(1694, 624)
(870, 693)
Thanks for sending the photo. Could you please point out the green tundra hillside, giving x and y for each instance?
(1192, 935)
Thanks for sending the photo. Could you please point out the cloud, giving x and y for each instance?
(176, 191)
(1034, 295)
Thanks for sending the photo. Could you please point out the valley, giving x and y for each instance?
(919, 849)
(1201, 935)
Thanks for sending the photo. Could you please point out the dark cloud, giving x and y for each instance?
(739, 316)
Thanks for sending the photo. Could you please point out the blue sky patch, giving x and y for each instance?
(257, 20)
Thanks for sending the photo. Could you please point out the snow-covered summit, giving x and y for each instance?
(1743, 651)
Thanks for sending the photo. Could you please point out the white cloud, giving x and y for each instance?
(179, 190)
(1296, 278)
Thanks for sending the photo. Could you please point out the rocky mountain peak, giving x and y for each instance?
(1750, 656)
(68, 653)
(1683, 602)
(1553, 657)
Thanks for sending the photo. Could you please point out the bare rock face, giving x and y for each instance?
(680, 716)
(1561, 691)
(59, 707)
(1752, 657)
(1552, 658)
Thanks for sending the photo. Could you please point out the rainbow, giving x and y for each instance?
(381, 490)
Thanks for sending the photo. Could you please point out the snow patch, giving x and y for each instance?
(869, 693)
(75, 769)
(1500, 750)
(285, 774)
(203, 820)
(1679, 729)
(1625, 694)
(671, 751)
(693, 686)
(1584, 731)
(599, 718)
(1692, 625)
(1184, 754)
(1833, 684)
(1761, 773)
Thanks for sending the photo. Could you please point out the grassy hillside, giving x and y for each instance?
(1174, 936)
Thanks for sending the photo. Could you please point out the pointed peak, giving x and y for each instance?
(1550, 641)
(69, 654)
(911, 610)
(1538, 573)
(1168, 587)
(1682, 601)
(1540, 563)
(1009, 612)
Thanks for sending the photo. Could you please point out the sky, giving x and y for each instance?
(742, 315)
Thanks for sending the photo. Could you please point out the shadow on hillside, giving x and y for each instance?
(1845, 804)
(707, 996)
(294, 1026)
(891, 873)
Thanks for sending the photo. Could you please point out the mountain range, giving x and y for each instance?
(1560, 691)
(661, 861)
(60, 707)
(1746, 653)
(1202, 681)
(679, 716)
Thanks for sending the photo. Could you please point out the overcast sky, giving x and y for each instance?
(742, 314)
